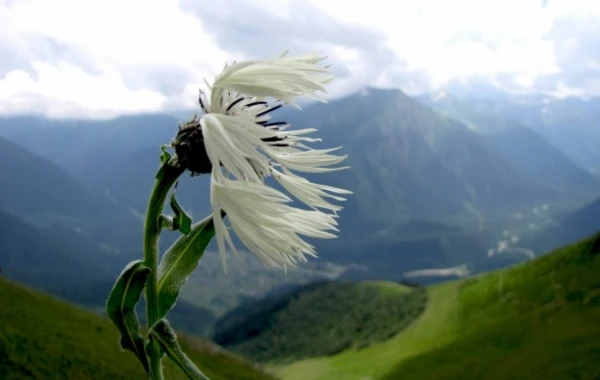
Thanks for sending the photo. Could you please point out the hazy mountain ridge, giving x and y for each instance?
(403, 154)
(41, 192)
(571, 226)
(524, 146)
(410, 169)
(571, 124)
(73, 241)
(42, 258)
(88, 149)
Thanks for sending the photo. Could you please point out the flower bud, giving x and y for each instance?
(189, 147)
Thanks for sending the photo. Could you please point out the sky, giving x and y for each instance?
(101, 58)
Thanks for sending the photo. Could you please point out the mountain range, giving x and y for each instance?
(434, 182)
(401, 152)
(568, 123)
(443, 186)
(527, 146)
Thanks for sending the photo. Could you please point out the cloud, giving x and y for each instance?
(515, 45)
(576, 41)
(462, 37)
(101, 58)
(63, 90)
(359, 54)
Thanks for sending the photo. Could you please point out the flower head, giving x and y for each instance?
(236, 141)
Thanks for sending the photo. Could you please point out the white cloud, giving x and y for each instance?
(93, 57)
(466, 37)
(112, 36)
(132, 32)
(63, 90)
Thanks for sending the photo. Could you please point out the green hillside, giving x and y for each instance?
(533, 321)
(341, 314)
(43, 338)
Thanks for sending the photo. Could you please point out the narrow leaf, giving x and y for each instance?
(162, 333)
(179, 262)
(164, 156)
(125, 295)
(182, 220)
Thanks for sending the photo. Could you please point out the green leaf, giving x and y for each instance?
(182, 220)
(179, 262)
(162, 333)
(126, 293)
(165, 159)
(165, 156)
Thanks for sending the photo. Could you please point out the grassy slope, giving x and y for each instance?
(43, 338)
(534, 321)
(342, 314)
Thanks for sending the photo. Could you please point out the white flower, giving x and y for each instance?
(245, 147)
(263, 221)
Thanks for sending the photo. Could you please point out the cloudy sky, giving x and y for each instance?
(96, 58)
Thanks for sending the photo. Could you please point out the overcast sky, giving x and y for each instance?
(103, 57)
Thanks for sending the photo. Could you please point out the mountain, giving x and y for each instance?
(401, 152)
(409, 161)
(546, 164)
(72, 240)
(116, 158)
(415, 174)
(68, 266)
(49, 260)
(581, 222)
(87, 149)
(571, 124)
(130, 182)
(532, 321)
(571, 226)
(476, 117)
(522, 146)
(41, 192)
(44, 338)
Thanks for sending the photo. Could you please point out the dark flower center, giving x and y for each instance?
(189, 147)
(189, 142)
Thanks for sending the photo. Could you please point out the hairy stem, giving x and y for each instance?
(170, 173)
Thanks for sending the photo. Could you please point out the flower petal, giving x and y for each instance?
(266, 224)
(282, 78)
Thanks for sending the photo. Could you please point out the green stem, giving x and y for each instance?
(168, 175)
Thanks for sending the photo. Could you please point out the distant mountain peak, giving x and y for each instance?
(364, 91)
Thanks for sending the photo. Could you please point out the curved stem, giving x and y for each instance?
(168, 175)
